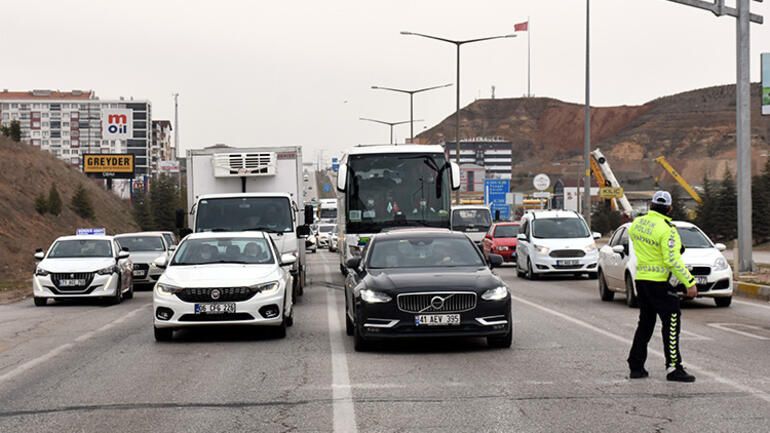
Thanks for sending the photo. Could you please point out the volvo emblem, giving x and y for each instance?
(437, 302)
(215, 294)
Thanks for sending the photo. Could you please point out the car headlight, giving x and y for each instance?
(720, 264)
(496, 294)
(502, 248)
(374, 297)
(541, 249)
(109, 270)
(266, 288)
(167, 289)
(589, 248)
(40, 272)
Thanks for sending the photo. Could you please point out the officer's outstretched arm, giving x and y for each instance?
(672, 257)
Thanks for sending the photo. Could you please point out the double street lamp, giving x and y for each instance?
(411, 100)
(458, 44)
(391, 124)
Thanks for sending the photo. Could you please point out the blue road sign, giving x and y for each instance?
(327, 187)
(335, 165)
(495, 191)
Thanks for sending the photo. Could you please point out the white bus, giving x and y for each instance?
(392, 186)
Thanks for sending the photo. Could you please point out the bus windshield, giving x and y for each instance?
(394, 190)
(232, 214)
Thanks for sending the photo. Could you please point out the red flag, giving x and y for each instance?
(521, 27)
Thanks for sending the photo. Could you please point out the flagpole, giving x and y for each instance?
(529, 59)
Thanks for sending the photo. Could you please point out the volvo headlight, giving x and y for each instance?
(541, 249)
(109, 270)
(374, 297)
(496, 294)
(40, 272)
(167, 289)
(266, 288)
(589, 248)
(720, 264)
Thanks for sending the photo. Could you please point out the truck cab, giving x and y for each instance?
(473, 220)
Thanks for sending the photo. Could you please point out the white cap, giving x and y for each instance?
(662, 197)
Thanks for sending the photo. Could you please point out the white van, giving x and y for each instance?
(555, 242)
(473, 220)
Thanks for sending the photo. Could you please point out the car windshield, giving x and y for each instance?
(248, 251)
(506, 231)
(141, 243)
(80, 248)
(273, 214)
(325, 229)
(693, 238)
(424, 252)
(471, 219)
(169, 238)
(559, 228)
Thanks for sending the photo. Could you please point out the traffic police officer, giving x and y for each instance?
(657, 246)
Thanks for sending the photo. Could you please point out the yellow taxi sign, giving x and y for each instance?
(118, 165)
(611, 192)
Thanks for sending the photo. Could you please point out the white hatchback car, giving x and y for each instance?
(225, 278)
(555, 242)
(83, 266)
(704, 259)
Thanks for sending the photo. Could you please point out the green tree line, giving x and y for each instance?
(156, 209)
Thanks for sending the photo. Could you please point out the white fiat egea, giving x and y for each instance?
(226, 278)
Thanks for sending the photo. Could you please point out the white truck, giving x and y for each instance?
(237, 189)
(327, 210)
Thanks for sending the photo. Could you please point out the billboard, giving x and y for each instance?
(765, 84)
(117, 124)
(169, 166)
(113, 166)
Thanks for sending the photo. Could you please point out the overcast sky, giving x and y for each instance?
(257, 73)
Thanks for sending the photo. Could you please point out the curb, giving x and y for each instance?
(751, 290)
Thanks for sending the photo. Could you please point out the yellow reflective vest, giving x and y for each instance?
(658, 249)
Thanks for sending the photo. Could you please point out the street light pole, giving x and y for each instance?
(457, 105)
(587, 129)
(391, 124)
(411, 94)
(176, 140)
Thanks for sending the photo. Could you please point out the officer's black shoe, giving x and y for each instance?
(638, 374)
(679, 375)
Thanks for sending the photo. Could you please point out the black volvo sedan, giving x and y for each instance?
(426, 283)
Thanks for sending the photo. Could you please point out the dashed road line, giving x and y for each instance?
(344, 415)
(729, 328)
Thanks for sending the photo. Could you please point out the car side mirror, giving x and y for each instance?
(353, 262)
(720, 247)
(521, 237)
(596, 235)
(288, 259)
(455, 174)
(160, 262)
(620, 249)
(495, 260)
(39, 254)
(303, 231)
(123, 254)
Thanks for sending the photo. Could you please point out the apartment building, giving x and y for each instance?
(162, 148)
(494, 154)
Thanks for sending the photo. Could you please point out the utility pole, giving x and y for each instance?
(744, 18)
(587, 132)
(176, 140)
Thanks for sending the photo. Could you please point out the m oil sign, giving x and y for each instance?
(109, 166)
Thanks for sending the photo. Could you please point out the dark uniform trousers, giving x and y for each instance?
(656, 298)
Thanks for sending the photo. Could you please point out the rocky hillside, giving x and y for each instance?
(695, 130)
(26, 172)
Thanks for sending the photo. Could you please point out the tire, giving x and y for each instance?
(343, 270)
(605, 293)
(349, 326)
(630, 295)
(290, 320)
(163, 334)
(723, 302)
(593, 275)
(130, 293)
(118, 297)
(501, 342)
(359, 342)
(519, 272)
(41, 302)
(280, 331)
(531, 275)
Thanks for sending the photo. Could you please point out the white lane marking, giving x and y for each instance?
(744, 388)
(727, 327)
(58, 350)
(753, 304)
(344, 415)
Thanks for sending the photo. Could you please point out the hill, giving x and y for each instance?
(25, 172)
(695, 130)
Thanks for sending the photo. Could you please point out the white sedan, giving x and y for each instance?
(704, 259)
(236, 278)
(83, 266)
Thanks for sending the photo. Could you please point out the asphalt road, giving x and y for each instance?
(94, 368)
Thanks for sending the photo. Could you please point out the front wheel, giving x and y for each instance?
(130, 293)
(531, 275)
(630, 294)
(118, 297)
(723, 302)
(605, 293)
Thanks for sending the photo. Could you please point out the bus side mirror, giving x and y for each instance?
(309, 217)
(342, 177)
(455, 175)
(303, 231)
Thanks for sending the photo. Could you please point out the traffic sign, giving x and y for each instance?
(542, 194)
(335, 165)
(541, 182)
(495, 193)
(327, 187)
(611, 192)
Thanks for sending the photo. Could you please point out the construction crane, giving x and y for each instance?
(610, 180)
(675, 174)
